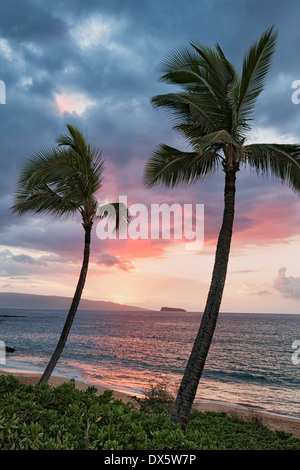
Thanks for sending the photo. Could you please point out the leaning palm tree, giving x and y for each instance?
(63, 181)
(212, 111)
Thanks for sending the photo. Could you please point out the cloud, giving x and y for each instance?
(20, 264)
(29, 21)
(7, 255)
(263, 292)
(270, 135)
(97, 30)
(109, 260)
(73, 102)
(60, 58)
(26, 259)
(289, 287)
(5, 49)
(245, 271)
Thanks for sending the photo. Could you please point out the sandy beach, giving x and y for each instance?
(273, 421)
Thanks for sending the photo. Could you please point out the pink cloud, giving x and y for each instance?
(268, 223)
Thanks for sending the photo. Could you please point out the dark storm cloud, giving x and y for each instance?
(109, 51)
(26, 20)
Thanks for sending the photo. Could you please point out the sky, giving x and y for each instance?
(95, 65)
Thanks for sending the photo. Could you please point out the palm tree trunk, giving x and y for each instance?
(188, 388)
(73, 309)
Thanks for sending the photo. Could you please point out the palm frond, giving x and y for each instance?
(220, 72)
(37, 166)
(75, 140)
(97, 168)
(172, 167)
(208, 81)
(187, 109)
(281, 161)
(65, 178)
(183, 67)
(43, 200)
(221, 137)
(256, 65)
(212, 111)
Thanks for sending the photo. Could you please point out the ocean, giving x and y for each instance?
(251, 361)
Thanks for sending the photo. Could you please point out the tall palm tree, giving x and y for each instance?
(64, 181)
(212, 111)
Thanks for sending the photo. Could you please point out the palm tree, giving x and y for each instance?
(212, 111)
(64, 181)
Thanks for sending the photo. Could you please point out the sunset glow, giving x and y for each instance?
(73, 102)
(97, 69)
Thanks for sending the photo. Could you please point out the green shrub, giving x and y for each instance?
(65, 418)
(157, 399)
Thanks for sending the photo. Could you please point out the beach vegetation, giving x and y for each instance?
(212, 110)
(158, 398)
(64, 181)
(65, 418)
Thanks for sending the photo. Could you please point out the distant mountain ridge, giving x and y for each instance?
(172, 309)
(17, 300)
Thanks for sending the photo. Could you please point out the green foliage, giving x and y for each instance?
(158, 399)
(64, 418)
(61, 180)
(212, 107)
(65, 180)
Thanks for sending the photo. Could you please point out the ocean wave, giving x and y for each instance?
(248, 377)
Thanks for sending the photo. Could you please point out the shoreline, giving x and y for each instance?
(272, 420)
